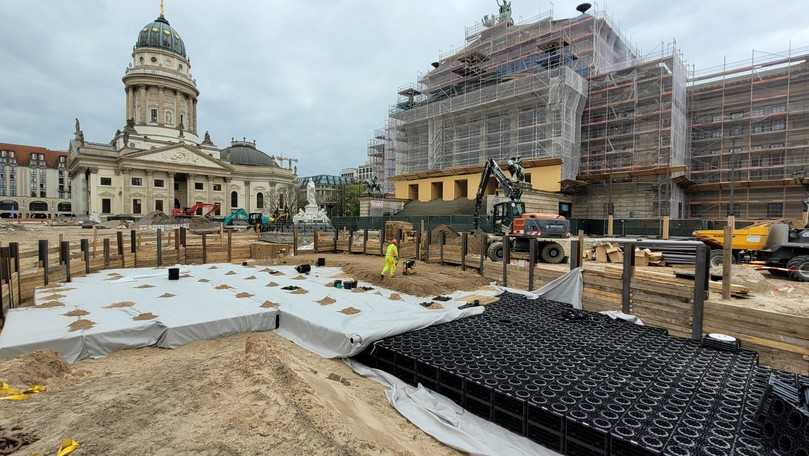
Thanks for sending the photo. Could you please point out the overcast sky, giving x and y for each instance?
(309, 79)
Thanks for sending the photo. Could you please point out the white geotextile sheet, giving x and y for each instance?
(324, 328)
(207, 304)
(449, 423)
(185, 310)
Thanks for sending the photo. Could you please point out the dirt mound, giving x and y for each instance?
(757, 282)
(428, 280)
(33, 368)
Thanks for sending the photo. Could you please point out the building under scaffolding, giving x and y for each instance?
(750, 137)
(638, 136)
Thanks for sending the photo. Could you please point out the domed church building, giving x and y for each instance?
(158, 159)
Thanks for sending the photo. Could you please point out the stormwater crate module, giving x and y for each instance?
(583, 384)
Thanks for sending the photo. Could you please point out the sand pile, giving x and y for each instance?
(35, 368)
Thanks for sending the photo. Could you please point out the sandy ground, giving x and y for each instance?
(428, 280)
(247, 394)
(240, 395)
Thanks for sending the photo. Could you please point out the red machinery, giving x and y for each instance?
(205, 209)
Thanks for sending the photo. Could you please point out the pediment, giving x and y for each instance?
(178, 156)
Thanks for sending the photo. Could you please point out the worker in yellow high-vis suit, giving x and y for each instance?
(391, 258)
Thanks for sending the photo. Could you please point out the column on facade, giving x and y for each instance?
(194, 122)
(123, 173)
(188, 114)
(144, 108)
(129, 102)
(170, 183)
(147, 205)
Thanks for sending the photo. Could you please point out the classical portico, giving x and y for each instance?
(157, 161)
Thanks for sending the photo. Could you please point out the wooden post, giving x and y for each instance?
(464, 247)
(665, 233)
(106, 252)
(429, 240)
(727, 256)
(365, 241)
(580, 253)
(230, 246)
(382, 242)
(532, 258)
(609, 225)
(701, 271)
(85, 251)
(43, 259)
(294, 241)
(183, 234)
(119, 237)
(158, 246)
(64, 247)
(574, 254)
(483, 247)
(441, 246)
(626, 286)
(14, 248)
(204, 248)
(506, 258)
(418, 245)
(177, 245)
(133, 247)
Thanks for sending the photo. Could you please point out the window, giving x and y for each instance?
(154, 115)
(136, 206)
(106, 206)
(234, 199)
(159, 183)
(199, 186)
(217, 187)
(260, 200)
(137, 181)
(775, 210)
(158, 205)
(461, 188)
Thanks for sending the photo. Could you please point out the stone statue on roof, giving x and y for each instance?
(79, 135)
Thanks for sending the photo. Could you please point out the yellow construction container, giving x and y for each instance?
(753, 237)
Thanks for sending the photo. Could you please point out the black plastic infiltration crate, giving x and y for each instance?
(583, 384)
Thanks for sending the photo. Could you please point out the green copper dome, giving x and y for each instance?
(159, 34)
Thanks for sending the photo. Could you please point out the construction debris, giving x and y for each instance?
(609, 252)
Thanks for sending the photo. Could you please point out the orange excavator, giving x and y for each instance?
(510, 217)
(204, 209)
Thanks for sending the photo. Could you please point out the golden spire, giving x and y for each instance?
(162, 8)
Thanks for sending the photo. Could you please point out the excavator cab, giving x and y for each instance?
(505, 213)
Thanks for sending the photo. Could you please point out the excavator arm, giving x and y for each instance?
(512, 191)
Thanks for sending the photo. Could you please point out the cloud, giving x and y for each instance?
(309, 79)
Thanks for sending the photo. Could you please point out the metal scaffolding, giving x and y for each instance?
(750, 136)
(513, 89)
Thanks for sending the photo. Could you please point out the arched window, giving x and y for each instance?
(234, 199)
(260, 200)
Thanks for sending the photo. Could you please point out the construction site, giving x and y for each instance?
(639, 135)
(597, 252)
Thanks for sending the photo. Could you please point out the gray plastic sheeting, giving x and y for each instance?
(567, 289)
(450, 424)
